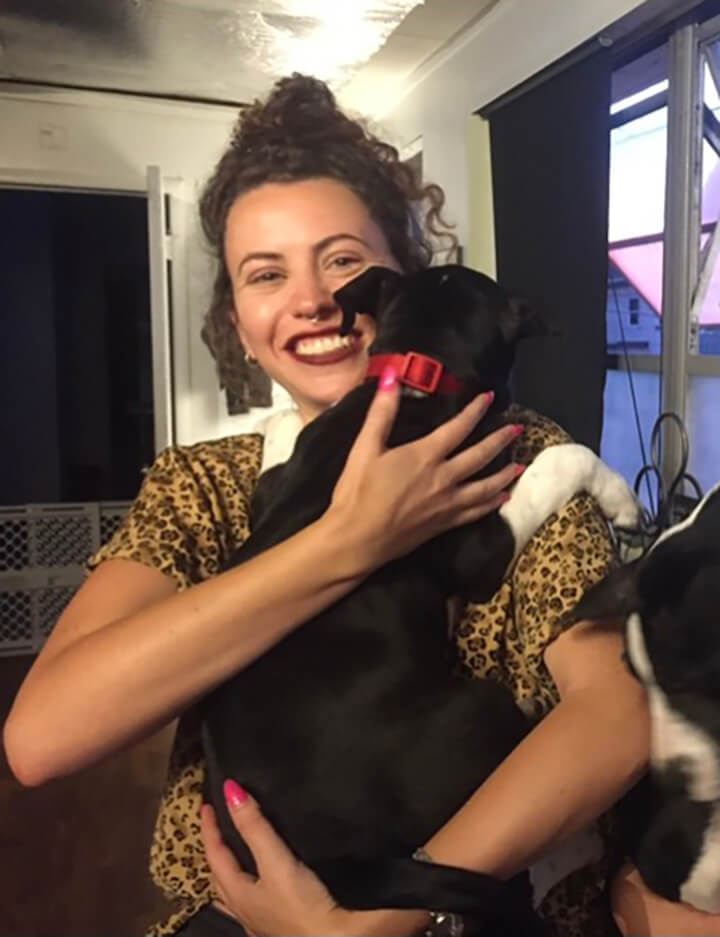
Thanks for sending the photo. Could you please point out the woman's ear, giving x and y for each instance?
(240, 332)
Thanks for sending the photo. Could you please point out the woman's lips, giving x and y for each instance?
(326, 347)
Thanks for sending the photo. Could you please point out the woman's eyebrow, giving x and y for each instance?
(326, 242)
(318, 248)
(258, 255)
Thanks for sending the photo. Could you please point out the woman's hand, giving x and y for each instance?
(639, 912)
(286, 897)
(392, 500)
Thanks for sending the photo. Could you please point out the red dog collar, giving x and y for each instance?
(417, 371)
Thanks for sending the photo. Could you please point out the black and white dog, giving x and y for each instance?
(670, 599)
(351, 732)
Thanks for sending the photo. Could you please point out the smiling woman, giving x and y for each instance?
(303, 200)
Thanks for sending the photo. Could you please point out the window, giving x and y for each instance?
(637, 388)
(703, 381)
(638, 159)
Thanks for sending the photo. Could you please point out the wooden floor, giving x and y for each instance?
(73, 854)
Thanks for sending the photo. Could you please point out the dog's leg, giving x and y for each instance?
(553, 478)
(406, 883)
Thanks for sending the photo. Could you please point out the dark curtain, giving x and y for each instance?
(550, 158)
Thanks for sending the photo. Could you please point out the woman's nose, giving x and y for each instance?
(314, 301)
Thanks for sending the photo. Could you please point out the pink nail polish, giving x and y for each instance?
(519, 469)
(518, 429)
(235, 795)
(489, 397)
(388, 378)
(505, 497)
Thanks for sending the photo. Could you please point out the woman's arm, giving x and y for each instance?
(572, 767)
(101, 684)
(129, 655)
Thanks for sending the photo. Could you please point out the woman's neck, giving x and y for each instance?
(308, 412)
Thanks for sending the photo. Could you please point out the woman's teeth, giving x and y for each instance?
(323, 344)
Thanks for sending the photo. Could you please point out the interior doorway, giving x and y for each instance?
(76, 392)
(75, 346)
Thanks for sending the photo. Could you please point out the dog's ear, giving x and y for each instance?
(366, 294)
(615, 596)
(521, 319)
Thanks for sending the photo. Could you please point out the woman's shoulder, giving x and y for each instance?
(229, 461)
(243, 449)
(192, 509)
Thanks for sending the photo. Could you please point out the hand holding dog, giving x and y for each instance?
(392, 500)
(286, 897)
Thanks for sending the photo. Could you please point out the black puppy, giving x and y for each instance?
(351, 732)
(670, 599)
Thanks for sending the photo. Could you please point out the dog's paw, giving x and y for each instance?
(619, 503)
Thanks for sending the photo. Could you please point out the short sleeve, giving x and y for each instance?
(191, 511)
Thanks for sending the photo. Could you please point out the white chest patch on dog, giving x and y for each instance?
(673, 737)
(555, 476)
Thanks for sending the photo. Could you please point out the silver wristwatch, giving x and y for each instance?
(442, 923)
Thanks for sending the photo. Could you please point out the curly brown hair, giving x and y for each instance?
(298, 133)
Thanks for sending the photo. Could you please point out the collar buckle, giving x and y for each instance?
(421, 372)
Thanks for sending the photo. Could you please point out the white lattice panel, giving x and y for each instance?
(43, 549)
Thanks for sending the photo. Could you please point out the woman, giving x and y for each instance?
(302, 201)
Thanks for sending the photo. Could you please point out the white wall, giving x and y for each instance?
(514, 41)
(106, 142)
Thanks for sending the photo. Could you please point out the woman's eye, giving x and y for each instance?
(264, 276)
(344, 261)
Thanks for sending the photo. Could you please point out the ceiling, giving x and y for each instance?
(227, 51)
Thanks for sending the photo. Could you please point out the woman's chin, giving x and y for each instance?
(330, 383)
(321, 398)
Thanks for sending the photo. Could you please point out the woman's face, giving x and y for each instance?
(288, 247)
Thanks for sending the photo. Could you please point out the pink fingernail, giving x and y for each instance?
(505, 497)
(235, 795)
(518, 429)
(519, 469)
(489, 397)
(388, 378)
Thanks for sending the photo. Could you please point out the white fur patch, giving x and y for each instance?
(672, 736)
(637, 651)
(280, 432)
(553, 478)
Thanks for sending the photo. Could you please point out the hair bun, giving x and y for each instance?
(299, 110)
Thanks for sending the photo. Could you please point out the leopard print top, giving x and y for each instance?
(192, 511)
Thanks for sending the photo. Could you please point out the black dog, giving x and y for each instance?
(351, 732)
(670, 599)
